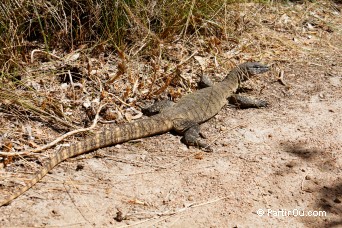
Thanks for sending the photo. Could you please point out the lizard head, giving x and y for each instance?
(248, 69)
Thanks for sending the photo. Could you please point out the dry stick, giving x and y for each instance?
(100, 84)
(193, 205)
(281, 78)
(144, 43)
(47, 53)
(188, 18)
(170, 214)
(117, 98)
(137, 223)
(40, 149)
(72, 85)
(129, 161)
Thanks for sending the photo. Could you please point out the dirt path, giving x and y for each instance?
(282, 159)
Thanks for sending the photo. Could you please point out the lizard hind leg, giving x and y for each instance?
(191, 134)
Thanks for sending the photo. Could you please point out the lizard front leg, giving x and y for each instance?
(205, 82)
(191, 134)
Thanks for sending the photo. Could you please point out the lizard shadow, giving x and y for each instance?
(302, 152)
(319, 158)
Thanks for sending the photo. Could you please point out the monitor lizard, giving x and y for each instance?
(184, 117)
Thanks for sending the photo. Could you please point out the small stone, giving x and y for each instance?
(79, 167)
(291, 164)
(337, 200)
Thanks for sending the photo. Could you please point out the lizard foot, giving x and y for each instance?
(191, 138)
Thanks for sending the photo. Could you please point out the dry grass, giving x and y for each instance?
(66, 25)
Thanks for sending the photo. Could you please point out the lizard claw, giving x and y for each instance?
(204, 146)
(207, 149)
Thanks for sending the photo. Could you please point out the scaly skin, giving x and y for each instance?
(184, 117)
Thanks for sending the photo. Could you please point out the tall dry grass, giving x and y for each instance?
(64, 24)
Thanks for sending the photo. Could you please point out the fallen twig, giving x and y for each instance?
(281, 78)
(56, 140)
(167, 214)
(47, 53)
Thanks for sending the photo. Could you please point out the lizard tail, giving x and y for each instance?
(118, 134)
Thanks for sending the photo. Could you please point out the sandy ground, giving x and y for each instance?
(282, 161)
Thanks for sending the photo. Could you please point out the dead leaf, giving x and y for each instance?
(199, 156)
(201, 61)
(71, 57)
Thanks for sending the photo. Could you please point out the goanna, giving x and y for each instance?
(184, 117)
